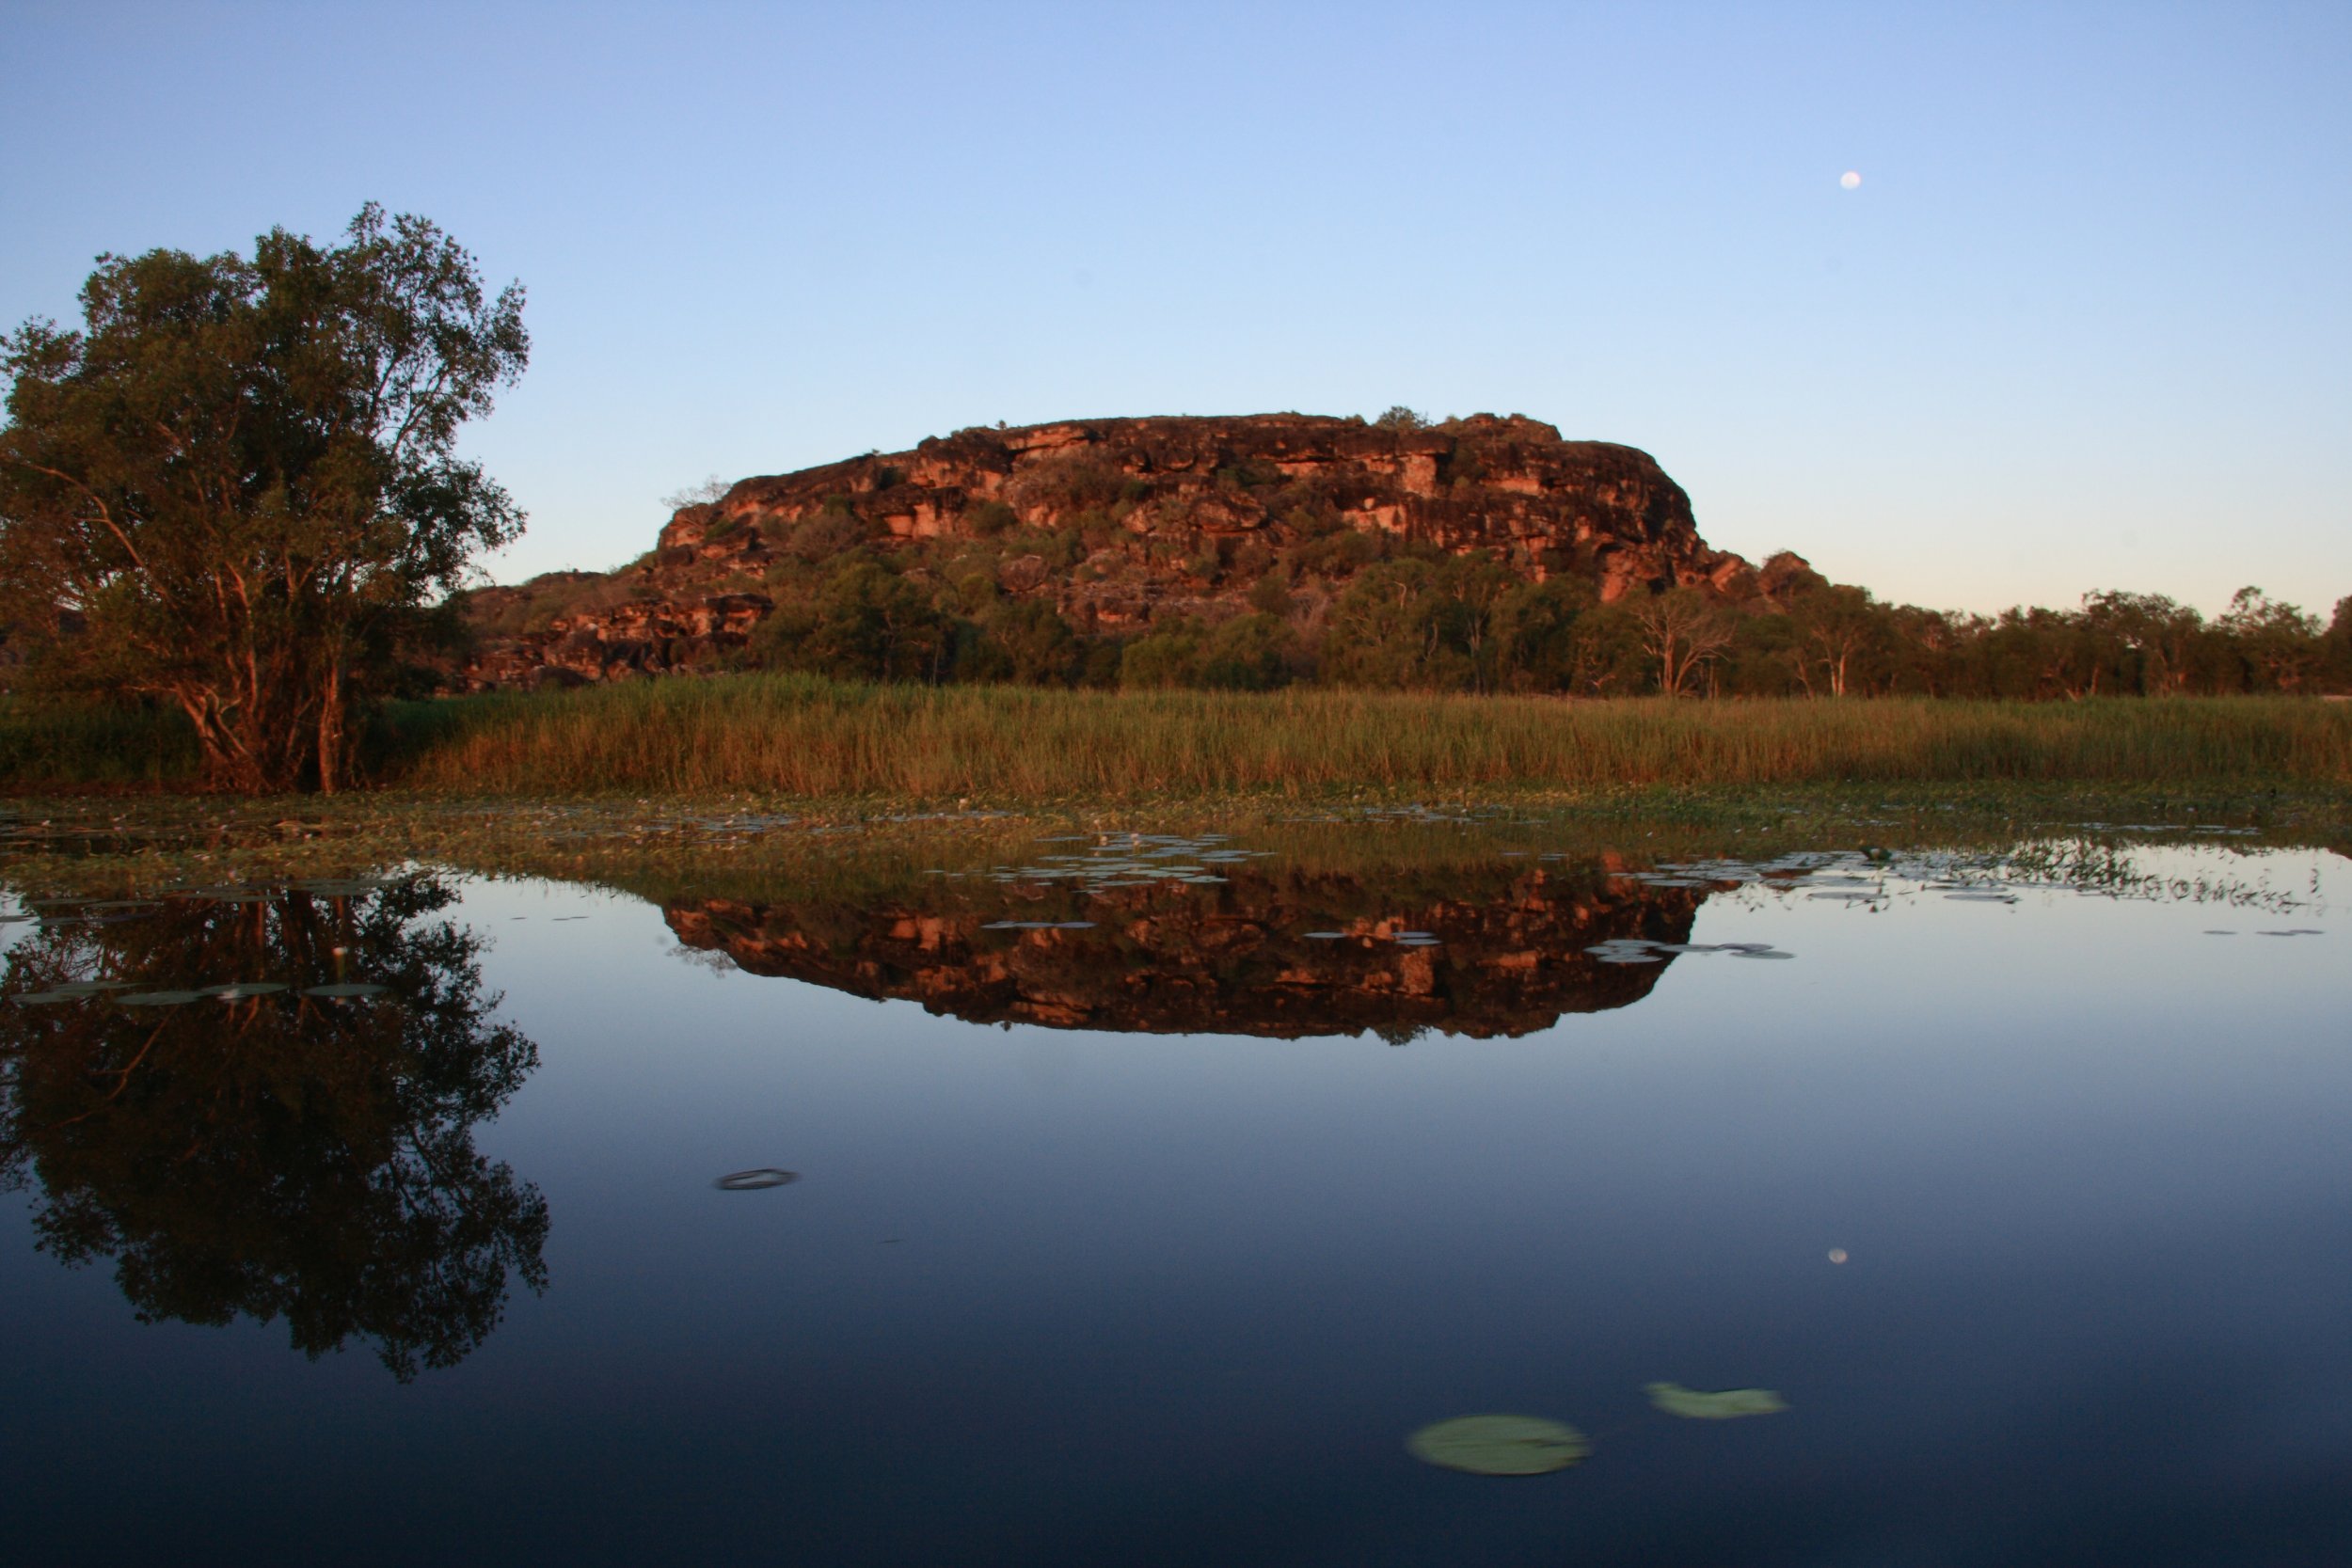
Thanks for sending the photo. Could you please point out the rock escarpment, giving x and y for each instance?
(1117, 524)
(1509, 956)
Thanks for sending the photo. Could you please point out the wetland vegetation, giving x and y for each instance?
(811, 739)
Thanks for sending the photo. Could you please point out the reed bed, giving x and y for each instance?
(807, 737)
(43, 746)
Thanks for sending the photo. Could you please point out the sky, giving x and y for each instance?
(2085, 323)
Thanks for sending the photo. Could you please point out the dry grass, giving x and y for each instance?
(811, 739)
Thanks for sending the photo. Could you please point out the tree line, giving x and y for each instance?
(1426, 621)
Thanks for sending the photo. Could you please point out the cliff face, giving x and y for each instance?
(1118, 523)
(1509, 957)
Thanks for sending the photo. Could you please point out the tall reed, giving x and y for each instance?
(806, 737)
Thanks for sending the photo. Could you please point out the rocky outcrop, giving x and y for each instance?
(1140, 519)
(1509, 957)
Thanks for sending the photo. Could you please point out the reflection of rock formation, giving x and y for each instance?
(1234, 958)
(277, 1154)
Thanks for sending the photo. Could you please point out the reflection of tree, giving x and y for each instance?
(279, 1154)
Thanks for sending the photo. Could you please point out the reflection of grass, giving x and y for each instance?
(802, 739)
(815, 739)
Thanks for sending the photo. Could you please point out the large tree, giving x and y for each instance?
(235, 490)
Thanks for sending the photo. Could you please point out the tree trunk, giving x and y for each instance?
(331, 728)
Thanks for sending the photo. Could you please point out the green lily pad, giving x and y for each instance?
(159, 998)
(349, 988)
(241, 989)
(1675, 1400)
(1499, 1444)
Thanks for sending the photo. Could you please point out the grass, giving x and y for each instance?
(813, 740)
(807, 739)
(45, 747)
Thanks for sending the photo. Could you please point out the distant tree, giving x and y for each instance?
(2163, 634)
(2337, 666)
(1681, 632)
(1039, 646)
(1402, 418)
(867, 624)
(235, 490)
(1835, 630)
(1533, 634)
(1250, 653)
(2276, 640)
(710, 490)
(1166, 656)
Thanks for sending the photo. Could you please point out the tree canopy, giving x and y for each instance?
(234, 491)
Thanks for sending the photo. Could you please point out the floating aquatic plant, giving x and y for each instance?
(1499, 1444)
(1675, 1400)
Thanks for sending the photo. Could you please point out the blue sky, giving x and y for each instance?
(2087, 322)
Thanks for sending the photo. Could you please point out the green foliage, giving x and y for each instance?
(1251, 653)
(1069, 483)
(235, 489)
(1166, 656)
(1248, 473)
(833, 529)
(1271, 594)
(869, 623)
(990, 519)
(1031, 644)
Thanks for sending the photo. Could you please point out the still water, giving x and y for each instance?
(1148, 1196)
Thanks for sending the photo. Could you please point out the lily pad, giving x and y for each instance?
(1499, 1444)
(1675, 1400)
(159, 998)
(346, 989)
(1762, 953)
(241, 989)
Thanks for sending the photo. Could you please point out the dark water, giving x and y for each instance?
(1151, 1240)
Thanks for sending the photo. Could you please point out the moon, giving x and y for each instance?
(1850, 179)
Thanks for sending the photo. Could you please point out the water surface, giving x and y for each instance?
(1146, 1203)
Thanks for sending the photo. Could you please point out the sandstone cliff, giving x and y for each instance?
(1117, 524)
